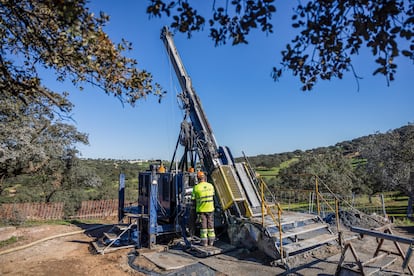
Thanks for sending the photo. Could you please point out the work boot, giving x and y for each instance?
(204, 242)
(211, 242)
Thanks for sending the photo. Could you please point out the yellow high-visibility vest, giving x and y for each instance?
(203, 194)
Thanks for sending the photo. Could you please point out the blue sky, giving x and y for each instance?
(247, 110)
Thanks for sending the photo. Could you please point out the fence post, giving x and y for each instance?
(310, 203)
(121, 197)
(317, 196)
(383, 206)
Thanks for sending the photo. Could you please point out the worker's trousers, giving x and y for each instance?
(207, 233)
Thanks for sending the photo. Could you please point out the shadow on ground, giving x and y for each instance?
(406, 229)
(93, 230)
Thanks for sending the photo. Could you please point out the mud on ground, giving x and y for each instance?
(71, 255)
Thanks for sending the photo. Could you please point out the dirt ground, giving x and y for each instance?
(71, 255)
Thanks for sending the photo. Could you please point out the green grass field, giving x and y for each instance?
(275, 170)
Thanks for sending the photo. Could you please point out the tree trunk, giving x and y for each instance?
(1, 184)
(410, 195)
(49, 196)
(410, 205)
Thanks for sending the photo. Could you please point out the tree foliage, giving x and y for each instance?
(64, 179)
(33, 141)
(67, 39)
(329, 34)
(331, 168)
(391, 158)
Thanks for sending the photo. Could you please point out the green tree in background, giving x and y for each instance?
(329, 33)
(332, 168)
(391, 158)
(34, 141)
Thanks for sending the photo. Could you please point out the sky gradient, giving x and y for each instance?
(247, 110)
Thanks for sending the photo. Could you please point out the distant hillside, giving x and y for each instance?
(366, 165)
(349, 149)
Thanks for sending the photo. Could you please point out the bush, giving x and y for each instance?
(72, 203)
(16, 219)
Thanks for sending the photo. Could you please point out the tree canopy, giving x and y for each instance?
(32, 139)
(67, 39)
(331, 167)
(329, 33)
(391, 159)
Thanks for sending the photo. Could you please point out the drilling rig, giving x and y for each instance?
(248, 217)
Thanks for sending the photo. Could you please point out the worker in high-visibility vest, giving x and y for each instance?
(203, 194)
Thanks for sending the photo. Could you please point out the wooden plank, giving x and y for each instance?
(168, 261)
(373, 267)
(384, 262)
(293, 218)
(301, 245)
(206, 251)
(347, 271)
(97, 247)
(104, 249)
(303, 229)
(123, 227)
(110, 236)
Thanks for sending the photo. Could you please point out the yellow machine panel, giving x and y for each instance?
(229, 190)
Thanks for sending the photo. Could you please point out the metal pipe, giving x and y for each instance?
(380, 235)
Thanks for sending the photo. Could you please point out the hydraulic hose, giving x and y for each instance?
(50, 238)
